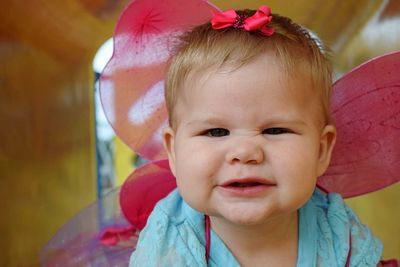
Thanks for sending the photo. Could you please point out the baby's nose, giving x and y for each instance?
(246, 152)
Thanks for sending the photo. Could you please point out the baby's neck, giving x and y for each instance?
(274, 242)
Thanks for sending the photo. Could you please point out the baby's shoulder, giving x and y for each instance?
(165, 240)
(333, 212)
(332, 208)
(339, 226)
(170, 209)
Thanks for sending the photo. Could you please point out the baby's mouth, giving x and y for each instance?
(247, 182)
(246, 187)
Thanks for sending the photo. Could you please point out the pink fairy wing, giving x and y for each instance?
(106, 232)
(79, 241)
(366, 109)
(131, 85)
(143, 189)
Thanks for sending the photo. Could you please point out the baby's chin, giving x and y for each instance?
(256, 216)
(248, 219)
(245, 217)
(239, 221)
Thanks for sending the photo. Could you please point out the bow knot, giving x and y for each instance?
(113, 235)
(258, 21)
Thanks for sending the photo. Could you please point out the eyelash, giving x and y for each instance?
(220, 132)
(216, 132)
(276, 131)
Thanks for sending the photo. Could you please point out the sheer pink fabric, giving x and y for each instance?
(366, 109)
(143, 189)
(132, 85)
(77, 243)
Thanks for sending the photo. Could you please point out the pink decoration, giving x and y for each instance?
(143, 189)
(366, 109)
(131, 85)
(258, 21)
(81, 241)
(113, 235)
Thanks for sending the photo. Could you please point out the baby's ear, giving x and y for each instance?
(168, 136)
(327, 142)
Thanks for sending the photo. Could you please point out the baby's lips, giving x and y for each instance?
(248, 180)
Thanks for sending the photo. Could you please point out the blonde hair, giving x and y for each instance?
(205, 48)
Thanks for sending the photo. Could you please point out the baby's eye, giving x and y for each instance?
(217, 132)
(276, 131)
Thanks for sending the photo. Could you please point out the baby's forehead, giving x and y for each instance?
(288, 74)
(264, 77)
(297, 84)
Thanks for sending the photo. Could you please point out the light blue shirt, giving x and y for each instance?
(175, 236)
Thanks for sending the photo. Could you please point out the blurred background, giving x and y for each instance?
(57, 153)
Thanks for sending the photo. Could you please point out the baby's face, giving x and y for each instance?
(247, 146)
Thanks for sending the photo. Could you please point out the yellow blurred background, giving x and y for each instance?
(47, 141)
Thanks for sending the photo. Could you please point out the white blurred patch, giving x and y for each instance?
(147, 104)
(385, 32)
(157, 135)
(103, 55)
(146, 50)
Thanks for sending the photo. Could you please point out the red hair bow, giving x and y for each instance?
(258, 21)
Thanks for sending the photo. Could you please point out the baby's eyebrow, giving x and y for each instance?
(297, 121)
(213, 121)
(206, 121)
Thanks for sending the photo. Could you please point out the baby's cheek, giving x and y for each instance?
(197, 152)
(297, 174)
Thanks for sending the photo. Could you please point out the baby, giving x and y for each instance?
(250, 132)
